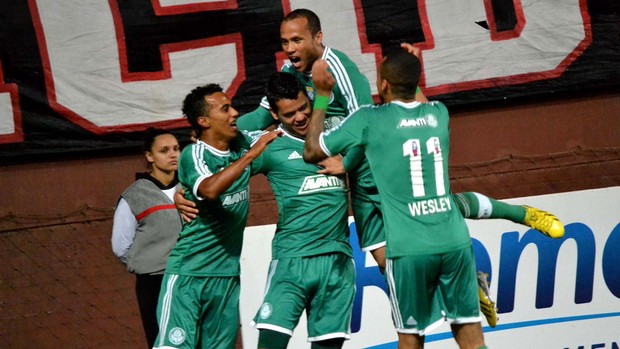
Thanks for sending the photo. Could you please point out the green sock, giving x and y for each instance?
(272, 339)
(477, 206)
(334, 343)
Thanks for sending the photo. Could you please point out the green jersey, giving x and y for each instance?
(407, 146)
(312, 208)
(210, 245)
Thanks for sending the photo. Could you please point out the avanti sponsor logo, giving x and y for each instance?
(235, 198)
(316, 183)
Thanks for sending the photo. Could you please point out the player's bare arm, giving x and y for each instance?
(187, 208)
(324, 83)
(332, 166)
(212, 187)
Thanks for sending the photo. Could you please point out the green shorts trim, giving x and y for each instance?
(323, 285)
(198, 312)
(426, 289)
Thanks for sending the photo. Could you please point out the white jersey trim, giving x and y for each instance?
(215, 151)
(465, 320)
(271, 327)
(166, 308)
(287, 134)
(323, 146)
(342, 79)
(373, 247)
(409, 105)
(329, 336)
(422, 332)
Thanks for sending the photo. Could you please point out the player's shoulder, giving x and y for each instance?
(249, 137)
(337, 58)
(288, 68)
(188, 150)
(434, 106)
(370, 108)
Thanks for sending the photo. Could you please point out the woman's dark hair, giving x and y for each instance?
(150, 135)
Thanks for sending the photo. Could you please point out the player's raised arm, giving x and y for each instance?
(324, 83)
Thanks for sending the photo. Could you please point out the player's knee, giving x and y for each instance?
(268, 339)
(334, 343)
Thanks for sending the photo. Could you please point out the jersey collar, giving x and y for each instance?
(286, 134)
(213, 150)
(409, 105)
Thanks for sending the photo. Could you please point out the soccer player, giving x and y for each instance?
(430, 265)
(302, 41)
(312, 266)
(199, 298)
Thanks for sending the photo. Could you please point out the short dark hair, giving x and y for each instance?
(402, 71)
(282, 86)
(195, 105)
(314, 23)
(149, 137)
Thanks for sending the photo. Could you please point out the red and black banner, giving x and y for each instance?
(88, 76)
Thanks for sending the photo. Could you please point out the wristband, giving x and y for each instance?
(418, 90)
(321, 102)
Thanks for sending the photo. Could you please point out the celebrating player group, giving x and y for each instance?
(389, 160)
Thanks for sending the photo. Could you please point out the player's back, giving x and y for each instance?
(407, 146)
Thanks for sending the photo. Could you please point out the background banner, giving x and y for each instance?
(88, 76)
(552, 294)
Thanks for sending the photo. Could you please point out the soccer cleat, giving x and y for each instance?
(544, 222)
(487, 306)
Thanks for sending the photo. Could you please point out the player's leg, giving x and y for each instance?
(458, 289)
(177, 313)
(369, 222)
(410, 341)
(414, 299)
(487, 306)
(468, 335)
(334, 343)
(332, 277)
(477, 206)
(268, 339)
(283, 303)
(219, 327)
(379, 255)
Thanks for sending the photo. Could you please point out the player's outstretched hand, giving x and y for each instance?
(412, 49)
(332, 166)
(322, 79)
(187, 208)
